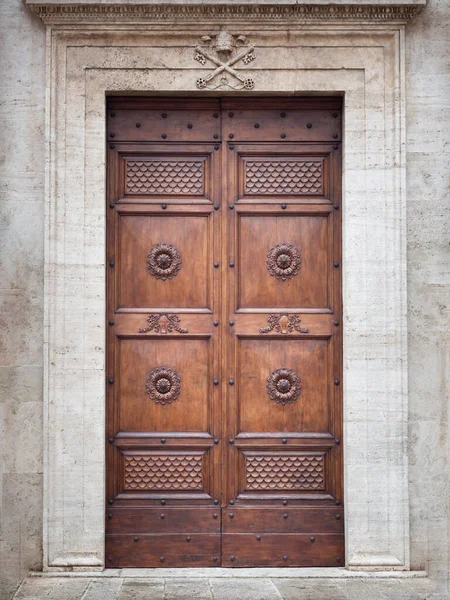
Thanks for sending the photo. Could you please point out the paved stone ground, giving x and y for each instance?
(118, 588)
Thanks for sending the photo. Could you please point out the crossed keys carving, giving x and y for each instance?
(224, 46)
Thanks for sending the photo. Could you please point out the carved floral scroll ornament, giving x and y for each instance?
(164, 261)
(284, 386)
(163, 385)
(162, 323)
(284, 261)
(224, 44)
(284, 324)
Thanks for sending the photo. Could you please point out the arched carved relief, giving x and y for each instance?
(284, 386)
(163, 385)
(164, 261)
(284, 261)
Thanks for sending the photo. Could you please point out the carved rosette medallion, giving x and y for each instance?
(284, 261)
(164, 261)
(163, 385)
(284, 386)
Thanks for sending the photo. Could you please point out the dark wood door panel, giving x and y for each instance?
(283, 261)
(255, 124)
(161, 175)
(177, 124)
(283, 385)
(282, 175)
(165, 384)
(163, 471)
(173, 120)
(224, 409)
(155, 173)
(165, 261)
(164, 550)
(165, 474)
(281, 472)
(282, 550)
(287, 520)
(164, 519)
(290, 173)
(303, 473)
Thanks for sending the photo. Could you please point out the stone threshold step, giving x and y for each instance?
(223, 573)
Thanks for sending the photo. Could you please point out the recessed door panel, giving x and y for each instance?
(165, 384)
(165, 261)
(180, 174)
(283, 177)
(283, 472)
(283, 385)
(171, 471)
(283, 261)
(161, 176)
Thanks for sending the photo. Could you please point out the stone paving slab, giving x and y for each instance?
(244, 589)
(197, 589)
(307, 590)
(201, 588)
(107, 589)
(141, 589)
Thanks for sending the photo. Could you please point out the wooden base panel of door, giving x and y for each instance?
(282, 550)
(163, 520)
(261, 537)
(224, 332)
(164, 550)
(283, 520)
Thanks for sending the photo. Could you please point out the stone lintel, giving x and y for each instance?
(54, 12)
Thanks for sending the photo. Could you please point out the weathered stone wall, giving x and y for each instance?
(428, 198)
(21, 287)
(22, 85)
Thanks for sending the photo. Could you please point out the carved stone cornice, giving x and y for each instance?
(376, 11)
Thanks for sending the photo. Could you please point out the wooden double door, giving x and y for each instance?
(224, 404)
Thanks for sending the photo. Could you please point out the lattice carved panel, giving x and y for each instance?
(163, 472)
(163, 177)
(285, 472)
(284, 177)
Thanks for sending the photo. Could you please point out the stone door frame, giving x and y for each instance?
(94, 50)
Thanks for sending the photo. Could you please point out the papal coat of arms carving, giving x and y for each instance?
(224, 50)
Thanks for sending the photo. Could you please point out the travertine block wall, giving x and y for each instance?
(22, 90)
(428, 211)
(21, 287)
